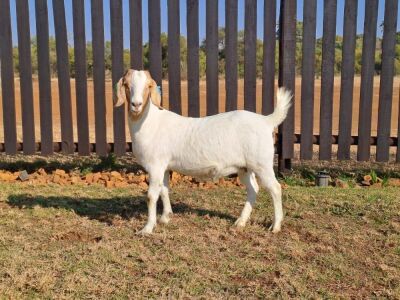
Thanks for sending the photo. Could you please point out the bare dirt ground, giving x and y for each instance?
(56, 113)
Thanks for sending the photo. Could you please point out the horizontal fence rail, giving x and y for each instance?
(223, 69)
(57, 146)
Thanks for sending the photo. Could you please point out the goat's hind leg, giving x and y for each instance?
(167, 210)
(249, 180)
(269, 181)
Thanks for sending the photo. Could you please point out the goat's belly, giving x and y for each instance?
(212, 172)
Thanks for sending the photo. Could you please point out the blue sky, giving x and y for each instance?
(202, 30)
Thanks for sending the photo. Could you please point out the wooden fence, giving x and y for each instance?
(287, 48)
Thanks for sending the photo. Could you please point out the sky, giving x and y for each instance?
(202, 17)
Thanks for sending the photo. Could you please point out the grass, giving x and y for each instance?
(80, 242)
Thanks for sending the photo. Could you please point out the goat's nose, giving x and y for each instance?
(138, 104)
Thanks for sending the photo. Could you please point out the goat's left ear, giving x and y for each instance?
(119, 96)
(155, 94)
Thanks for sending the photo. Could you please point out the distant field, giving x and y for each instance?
(56, 114)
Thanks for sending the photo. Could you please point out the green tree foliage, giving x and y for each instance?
(202, 55)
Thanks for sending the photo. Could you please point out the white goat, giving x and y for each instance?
(211, 147)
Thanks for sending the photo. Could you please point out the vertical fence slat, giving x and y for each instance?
(327, 78)
(192, 7)
(307, 78)
(46, 116)
(231, 57)
(347, 78)
(212, 56)
(136, 35)
(99, 77)
(398, 134)
(367, 80)
(64, 85)
(25, 74)
(7, 79)
(287, 76)
(81, 77)
(155, 41)
(250, 40)
(386, 84)
(268, 71)
(174, 63)
(117, 70)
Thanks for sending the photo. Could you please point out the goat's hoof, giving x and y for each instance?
(145, 231)
(164, 219)
(275, 228)
(240, 223)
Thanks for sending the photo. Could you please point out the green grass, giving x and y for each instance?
(80, 242)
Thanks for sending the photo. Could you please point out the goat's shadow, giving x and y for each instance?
(106, 209)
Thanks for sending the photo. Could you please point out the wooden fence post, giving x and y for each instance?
(231, 57)
(25, 74)
(7, 79)
(117, 64)
(268, 71)
(307, 79)
(99, 77)
(386, 83)
(367, 81)
(174, 60)
(327, 80)
(193, 71)
(212, 56)
(287, 77)
(347, 79)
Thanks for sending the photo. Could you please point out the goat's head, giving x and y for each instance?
(136, 88)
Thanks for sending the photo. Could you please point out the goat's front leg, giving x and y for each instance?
(156, 181)
(167, 210)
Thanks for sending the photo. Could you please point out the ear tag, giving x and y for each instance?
(159, 89)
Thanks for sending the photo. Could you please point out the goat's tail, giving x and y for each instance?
(284, 101)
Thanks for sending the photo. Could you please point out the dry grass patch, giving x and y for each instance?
(79, 242)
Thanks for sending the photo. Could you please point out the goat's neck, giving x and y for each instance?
(147, 123)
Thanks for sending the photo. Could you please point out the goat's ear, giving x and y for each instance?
(119, 93)
(155, 94)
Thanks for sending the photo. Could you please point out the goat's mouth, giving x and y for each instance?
(136, 110)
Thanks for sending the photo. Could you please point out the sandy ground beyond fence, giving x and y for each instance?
(56, 112)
